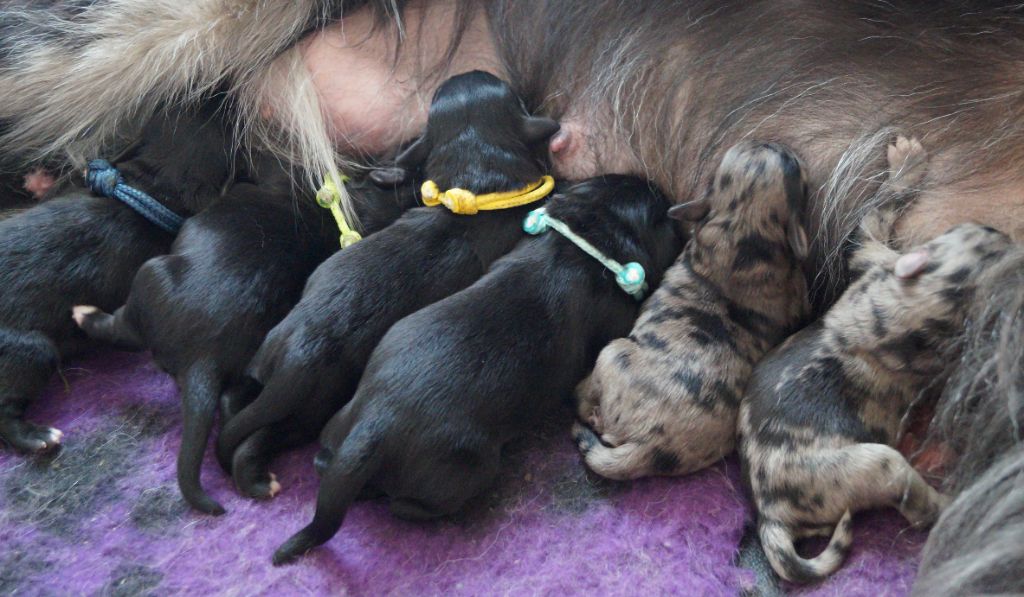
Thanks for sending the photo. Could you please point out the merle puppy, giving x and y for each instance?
(77, 248)
(448, 386)
(664, 400)
(479, 137)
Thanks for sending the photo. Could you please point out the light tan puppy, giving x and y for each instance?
(664, 400)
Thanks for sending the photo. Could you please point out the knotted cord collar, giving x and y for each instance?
(105, 180)
(630, 277)
(467, 203)
(329, 197)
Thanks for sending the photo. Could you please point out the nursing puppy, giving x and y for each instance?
(822, 411)
(448, 386)
(478, 137)
(233, 272)
(664, 400)
(78, 248)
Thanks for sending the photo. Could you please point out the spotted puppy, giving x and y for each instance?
(664, 400)
(822, 412)
(479, 137)
(450, 385)
(79, 248)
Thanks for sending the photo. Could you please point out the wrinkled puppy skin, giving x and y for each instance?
(822, 412)
(479, 137)
(451, 384)
(664, 400)
(234, 271)
(80, 249)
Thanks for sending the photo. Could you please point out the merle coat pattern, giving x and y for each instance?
(664, 400)
(448, 386)
(479, 137)
(77, 248)
(822, 411)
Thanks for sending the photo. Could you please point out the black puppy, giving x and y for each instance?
(451, 384)
(234, 272)
(77, 248)
(480, 138)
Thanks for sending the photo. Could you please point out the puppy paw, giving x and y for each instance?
(82, 312)
(30, 438)
(907, 161)
(274, 487)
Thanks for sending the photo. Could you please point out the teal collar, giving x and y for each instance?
(630, 277)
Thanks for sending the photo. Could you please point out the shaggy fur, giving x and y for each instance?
(449, 386)
(478, 138)
(78, 249)
(664, 400)
(233, 273)
(976, 544)
(654, 87)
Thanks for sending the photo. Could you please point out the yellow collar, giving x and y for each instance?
(329, 197)
(464, 202)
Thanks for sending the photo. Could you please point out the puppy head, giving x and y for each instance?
(479, 137)
(753, 213)
(625, 217)
(184, 157)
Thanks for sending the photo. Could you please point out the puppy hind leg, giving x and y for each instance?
(621, 463)
(112, 329)
(876, 475)
(27, 362)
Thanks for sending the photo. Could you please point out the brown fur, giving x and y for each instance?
(664, 400)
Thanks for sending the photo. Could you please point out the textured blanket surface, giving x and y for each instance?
(105, 517)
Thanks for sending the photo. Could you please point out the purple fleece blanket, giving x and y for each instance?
(105, 517)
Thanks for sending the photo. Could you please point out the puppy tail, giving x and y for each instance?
(112, 329)
(787, 563)
(621, 463)
(358, 460)
(200, 393)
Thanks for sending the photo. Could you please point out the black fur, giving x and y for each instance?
(448, 386)
(478, 138)
(78, 249)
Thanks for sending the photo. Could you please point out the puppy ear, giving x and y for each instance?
(692, 211)
(389, 177)
(539, 128)
(796, 234)
(912, 264)
(414, 155)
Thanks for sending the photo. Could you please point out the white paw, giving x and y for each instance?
(275, 487)
(80, 312)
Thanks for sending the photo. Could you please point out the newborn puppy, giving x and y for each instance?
(233, 272)
(664, 400)
(479, 138)
(448, 386)
(822, 411)
(78, 248)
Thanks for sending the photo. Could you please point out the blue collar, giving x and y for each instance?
(104, 180)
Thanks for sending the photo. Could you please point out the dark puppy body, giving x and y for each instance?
(479, 138)
(233, 272)
(77, 248)
(448, 386)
